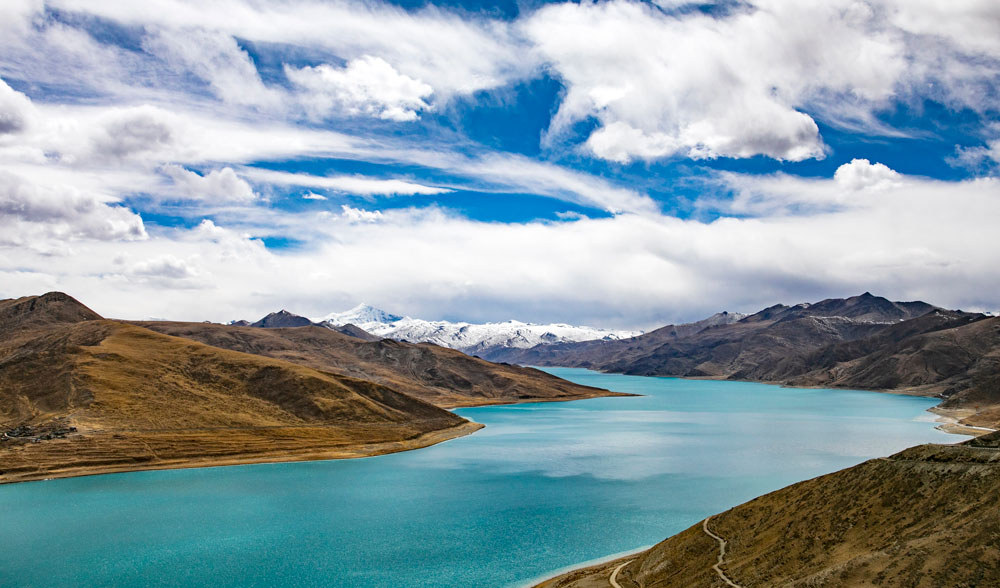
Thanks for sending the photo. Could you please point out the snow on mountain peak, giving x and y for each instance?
(360, 315)
(466, 337)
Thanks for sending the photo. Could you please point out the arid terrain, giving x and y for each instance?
(80, 394)
(923, 518)
(443, 376)
(863, 342)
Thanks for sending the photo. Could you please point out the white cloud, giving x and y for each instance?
(862, 174)
(517, 173)
(360, 185)
(313, 196)
(969, 24)
(366, 86)
(132, 132)
(217, 59)
(358, 215)
(164, 267)
(218, 185)
(33, 215)
(16, 110)
(898, 241)
(703, 87)
(15, 15)
(751, 81)
(461, 56)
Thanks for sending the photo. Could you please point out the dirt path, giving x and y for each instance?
(722, 555)
(614, 575)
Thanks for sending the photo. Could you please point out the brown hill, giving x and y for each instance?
(79, 394)
(864, 342)
(282, 318)
(445, 377)
(355, 331)
(959, 362)
(21, 315)
(719, 348)
(925, 517)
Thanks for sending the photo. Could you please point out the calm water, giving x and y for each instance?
(543, 486)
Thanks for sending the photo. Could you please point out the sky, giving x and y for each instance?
(614, 164)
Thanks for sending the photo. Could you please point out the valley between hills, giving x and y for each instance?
(81, 394)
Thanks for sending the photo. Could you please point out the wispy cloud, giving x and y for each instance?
(349, 184)
(112, 111)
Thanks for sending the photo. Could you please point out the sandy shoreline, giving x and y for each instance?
(599, 568)
(951, 421)
(348, 452)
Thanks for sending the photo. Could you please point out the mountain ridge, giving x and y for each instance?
(472, 338)
(864, 341)
(80, 394)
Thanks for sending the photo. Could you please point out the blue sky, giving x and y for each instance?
(613, 163)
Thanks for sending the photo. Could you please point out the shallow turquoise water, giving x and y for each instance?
(543, 486)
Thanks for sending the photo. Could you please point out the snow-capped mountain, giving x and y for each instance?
(470, 338)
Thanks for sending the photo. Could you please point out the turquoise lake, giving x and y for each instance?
(542, 487)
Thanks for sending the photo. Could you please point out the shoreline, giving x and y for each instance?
(951, 421)
(501, 402)
(598, 570)
(290, 456)
(590, 566)
(349, 452)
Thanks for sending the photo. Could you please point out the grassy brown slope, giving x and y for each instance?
(142, 400)
(445, 377)
(20, 317)
(925, 517)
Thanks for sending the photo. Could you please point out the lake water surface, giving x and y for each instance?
(543, 486)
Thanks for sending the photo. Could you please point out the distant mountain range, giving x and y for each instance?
(471, 338)
(865, 342)
(483, 339)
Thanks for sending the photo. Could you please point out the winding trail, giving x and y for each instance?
(614, 575)
(722, 555)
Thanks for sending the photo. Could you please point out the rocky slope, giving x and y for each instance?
(724, 348)
(283, 319)
(445, 377)
(80, 394)
(925, 517)
(864, 342)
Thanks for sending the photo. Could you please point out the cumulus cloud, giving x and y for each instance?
(702, 87)
(218, 185)
(759, 78)
(358, 215)
(31, 213)
(367, 86)
(131, 132)
(856, 186)
(862, 174)
(167, 271)
(899, 241)
(751, 81)
(16, 110)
